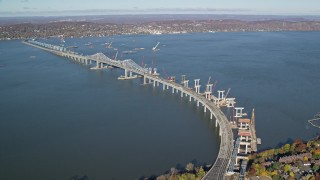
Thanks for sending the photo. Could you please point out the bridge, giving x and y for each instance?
(208, 102)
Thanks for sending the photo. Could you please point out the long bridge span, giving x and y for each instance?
(220, 166)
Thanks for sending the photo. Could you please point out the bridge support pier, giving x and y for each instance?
(216, 123)
(198, 103)
(181, 93)
(98, 64)
(154, 83)
(144, 80)
(125, 73)
(211, 115)
(163, 86)
(172, 90)
(204, 109)
(190, 98)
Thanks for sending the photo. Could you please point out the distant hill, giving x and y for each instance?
(143, 18)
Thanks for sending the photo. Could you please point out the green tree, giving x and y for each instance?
(191, 176)
(291, 174)
(183, 177)
(257, 168)
(276, 165)
(200, 172)
(315, 168)
(286, 148)
(276, 177)
(287, 167)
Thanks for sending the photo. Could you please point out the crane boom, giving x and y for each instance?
(209, 79)
(116, 56)
(110, 45)
(214, 86)
(154, 48)
(227, 93)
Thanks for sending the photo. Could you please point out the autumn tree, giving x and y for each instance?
(189, 167)
(252, 171)
(162, 177)
(274, 172)
(301, 148)
(291, 174)
(200, 172)
(316, 154)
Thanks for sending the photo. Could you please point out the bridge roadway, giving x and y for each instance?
(219, 168)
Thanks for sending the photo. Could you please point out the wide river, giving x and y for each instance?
(59, 118)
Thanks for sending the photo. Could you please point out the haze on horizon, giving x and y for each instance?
(105, 7)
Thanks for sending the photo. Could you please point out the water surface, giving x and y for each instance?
(59, 118)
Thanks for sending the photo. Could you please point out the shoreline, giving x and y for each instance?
(153, 26)
(80, 37)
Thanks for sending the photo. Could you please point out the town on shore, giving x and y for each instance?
(298, 160)
(86, 27)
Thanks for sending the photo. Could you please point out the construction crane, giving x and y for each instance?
(116, 56)
(207, 88)
(225, 97)
(110, 45)
(155, 48)
(142, 63)
(214, 86)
